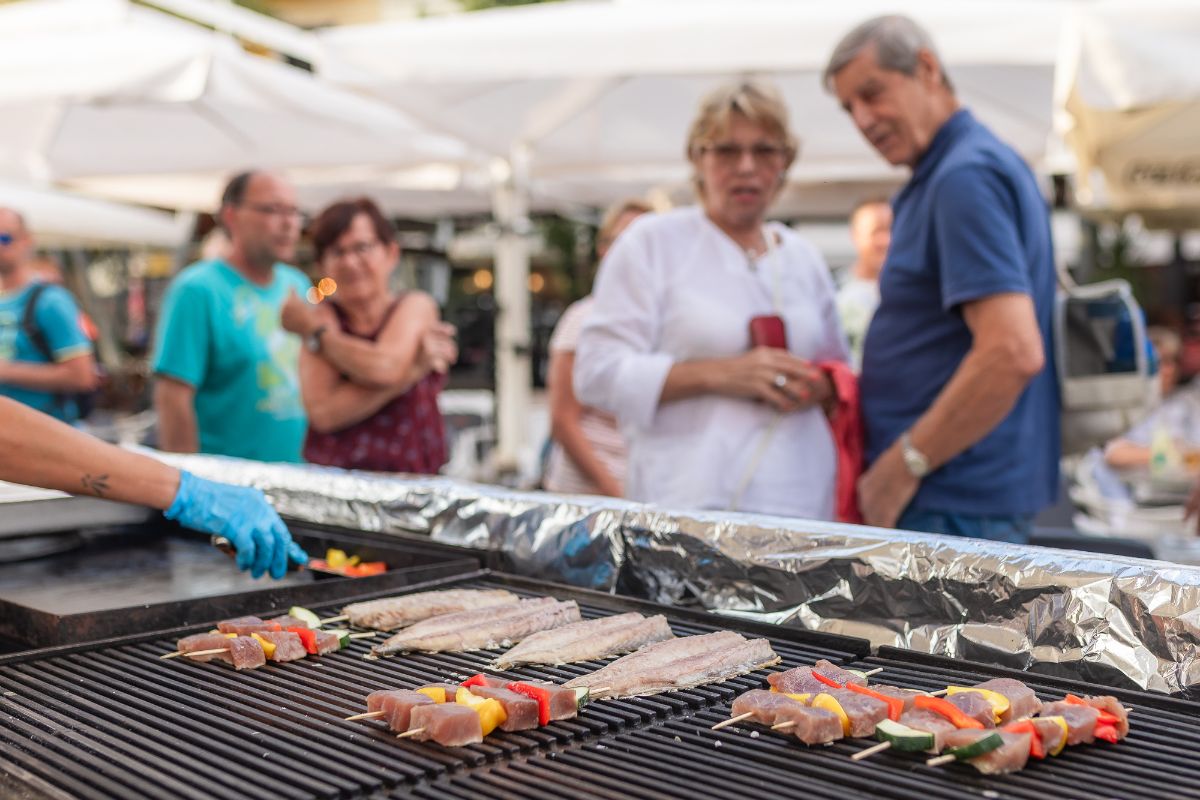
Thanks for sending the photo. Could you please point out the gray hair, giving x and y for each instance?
(897, 39)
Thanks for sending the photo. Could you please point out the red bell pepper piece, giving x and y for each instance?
(308, 638)
(1036, 748)
(1105, 717)
(895, 704)
(825, 680)
(948, 710)
(537, 693)
(478, 679)
(1107, 732)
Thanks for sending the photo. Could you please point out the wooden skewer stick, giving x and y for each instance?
(364, 635)
(413, 732)
(338, 618)
(937, 761)
(196, 652)
(783, 726)
(366, 715)
(870, 751)
(939, 693)
(732, 720)
(871, 672)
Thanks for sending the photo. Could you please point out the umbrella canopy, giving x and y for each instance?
(62, 218)
(105, 88)
(1129, 99)
(604, 92)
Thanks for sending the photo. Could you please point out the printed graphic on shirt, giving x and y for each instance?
(276, 377)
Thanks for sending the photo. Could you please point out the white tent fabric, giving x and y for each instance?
(102, 87)
(605, 90)
(58, 217)
(1129, 97)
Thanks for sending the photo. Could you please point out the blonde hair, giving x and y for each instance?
(759, 103)
(630, 205)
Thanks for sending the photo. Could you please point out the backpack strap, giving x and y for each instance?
(37, 337)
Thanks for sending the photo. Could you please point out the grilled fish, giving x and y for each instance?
(679, 664)
(389, 613)
(588, 640)
(482, 628)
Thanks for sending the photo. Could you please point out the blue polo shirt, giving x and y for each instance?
(969, 224)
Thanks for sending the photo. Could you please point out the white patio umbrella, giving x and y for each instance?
(594, 99)
(1128, 94)
(59, 217)
(95, 88)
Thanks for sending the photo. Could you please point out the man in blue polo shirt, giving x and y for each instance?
(45, 357)
(958, 386)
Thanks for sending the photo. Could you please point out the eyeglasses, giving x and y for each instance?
(274, 210)
(729, 154)
(358, 250)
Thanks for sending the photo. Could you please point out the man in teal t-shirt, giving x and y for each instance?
(227, 380)
(45, 357)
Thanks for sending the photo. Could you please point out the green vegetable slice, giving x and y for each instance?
(979, 747)
(307, 617)
(902, 737)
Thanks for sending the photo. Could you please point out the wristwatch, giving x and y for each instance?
(916, 461)
(313, 340)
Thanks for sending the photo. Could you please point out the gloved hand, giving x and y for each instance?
(243, 516)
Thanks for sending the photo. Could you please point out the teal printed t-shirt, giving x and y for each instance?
(57, 317)
(220, 333)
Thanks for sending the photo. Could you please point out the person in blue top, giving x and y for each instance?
(226, 371)
(45, 357)
(958, 386)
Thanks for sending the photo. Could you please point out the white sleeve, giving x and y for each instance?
(616, 366)
(833, 346)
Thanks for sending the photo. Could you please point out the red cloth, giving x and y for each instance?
(406, 435)
(847, 425)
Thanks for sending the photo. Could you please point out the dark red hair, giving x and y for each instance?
(334, 221)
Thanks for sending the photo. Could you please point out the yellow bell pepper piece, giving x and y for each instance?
(267, 645)
(336, 558)
(830, 703)
(228, 635)
(998, 702)
(491, 712)
(799, 698)
(435, 693)
(1062, 723)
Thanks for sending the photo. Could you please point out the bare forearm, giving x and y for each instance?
(64, 377)
(363, 363)
(39, 451)
(346, 405)
(980, 394)
(691, 379)
(177, 428)
(578, 448)
(1124, 453)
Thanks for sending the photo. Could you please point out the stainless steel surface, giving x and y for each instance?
(25, 510)
(1113, 620)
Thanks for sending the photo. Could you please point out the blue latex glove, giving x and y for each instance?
(243, 516)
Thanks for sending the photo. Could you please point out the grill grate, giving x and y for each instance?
(682, 757)
(113, 721)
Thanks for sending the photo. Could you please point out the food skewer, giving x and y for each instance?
(732, 720)
(338, 618)
(196, 653)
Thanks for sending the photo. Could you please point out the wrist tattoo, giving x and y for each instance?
(95, 484)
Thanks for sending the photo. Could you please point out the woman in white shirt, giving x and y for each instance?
(712, 421)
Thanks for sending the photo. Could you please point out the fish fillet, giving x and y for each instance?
(482, 629)
(679, 664)
(389, 613)
(588, 640)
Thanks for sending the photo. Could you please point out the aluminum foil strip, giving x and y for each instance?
(1106, 619)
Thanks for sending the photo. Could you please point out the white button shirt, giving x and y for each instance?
(676, 288)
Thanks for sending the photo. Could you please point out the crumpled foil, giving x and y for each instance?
(1119, 621)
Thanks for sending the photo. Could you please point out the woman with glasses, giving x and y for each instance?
(374, 360)
(710, 327)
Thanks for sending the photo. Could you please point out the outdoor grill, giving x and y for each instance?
(112, 720)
